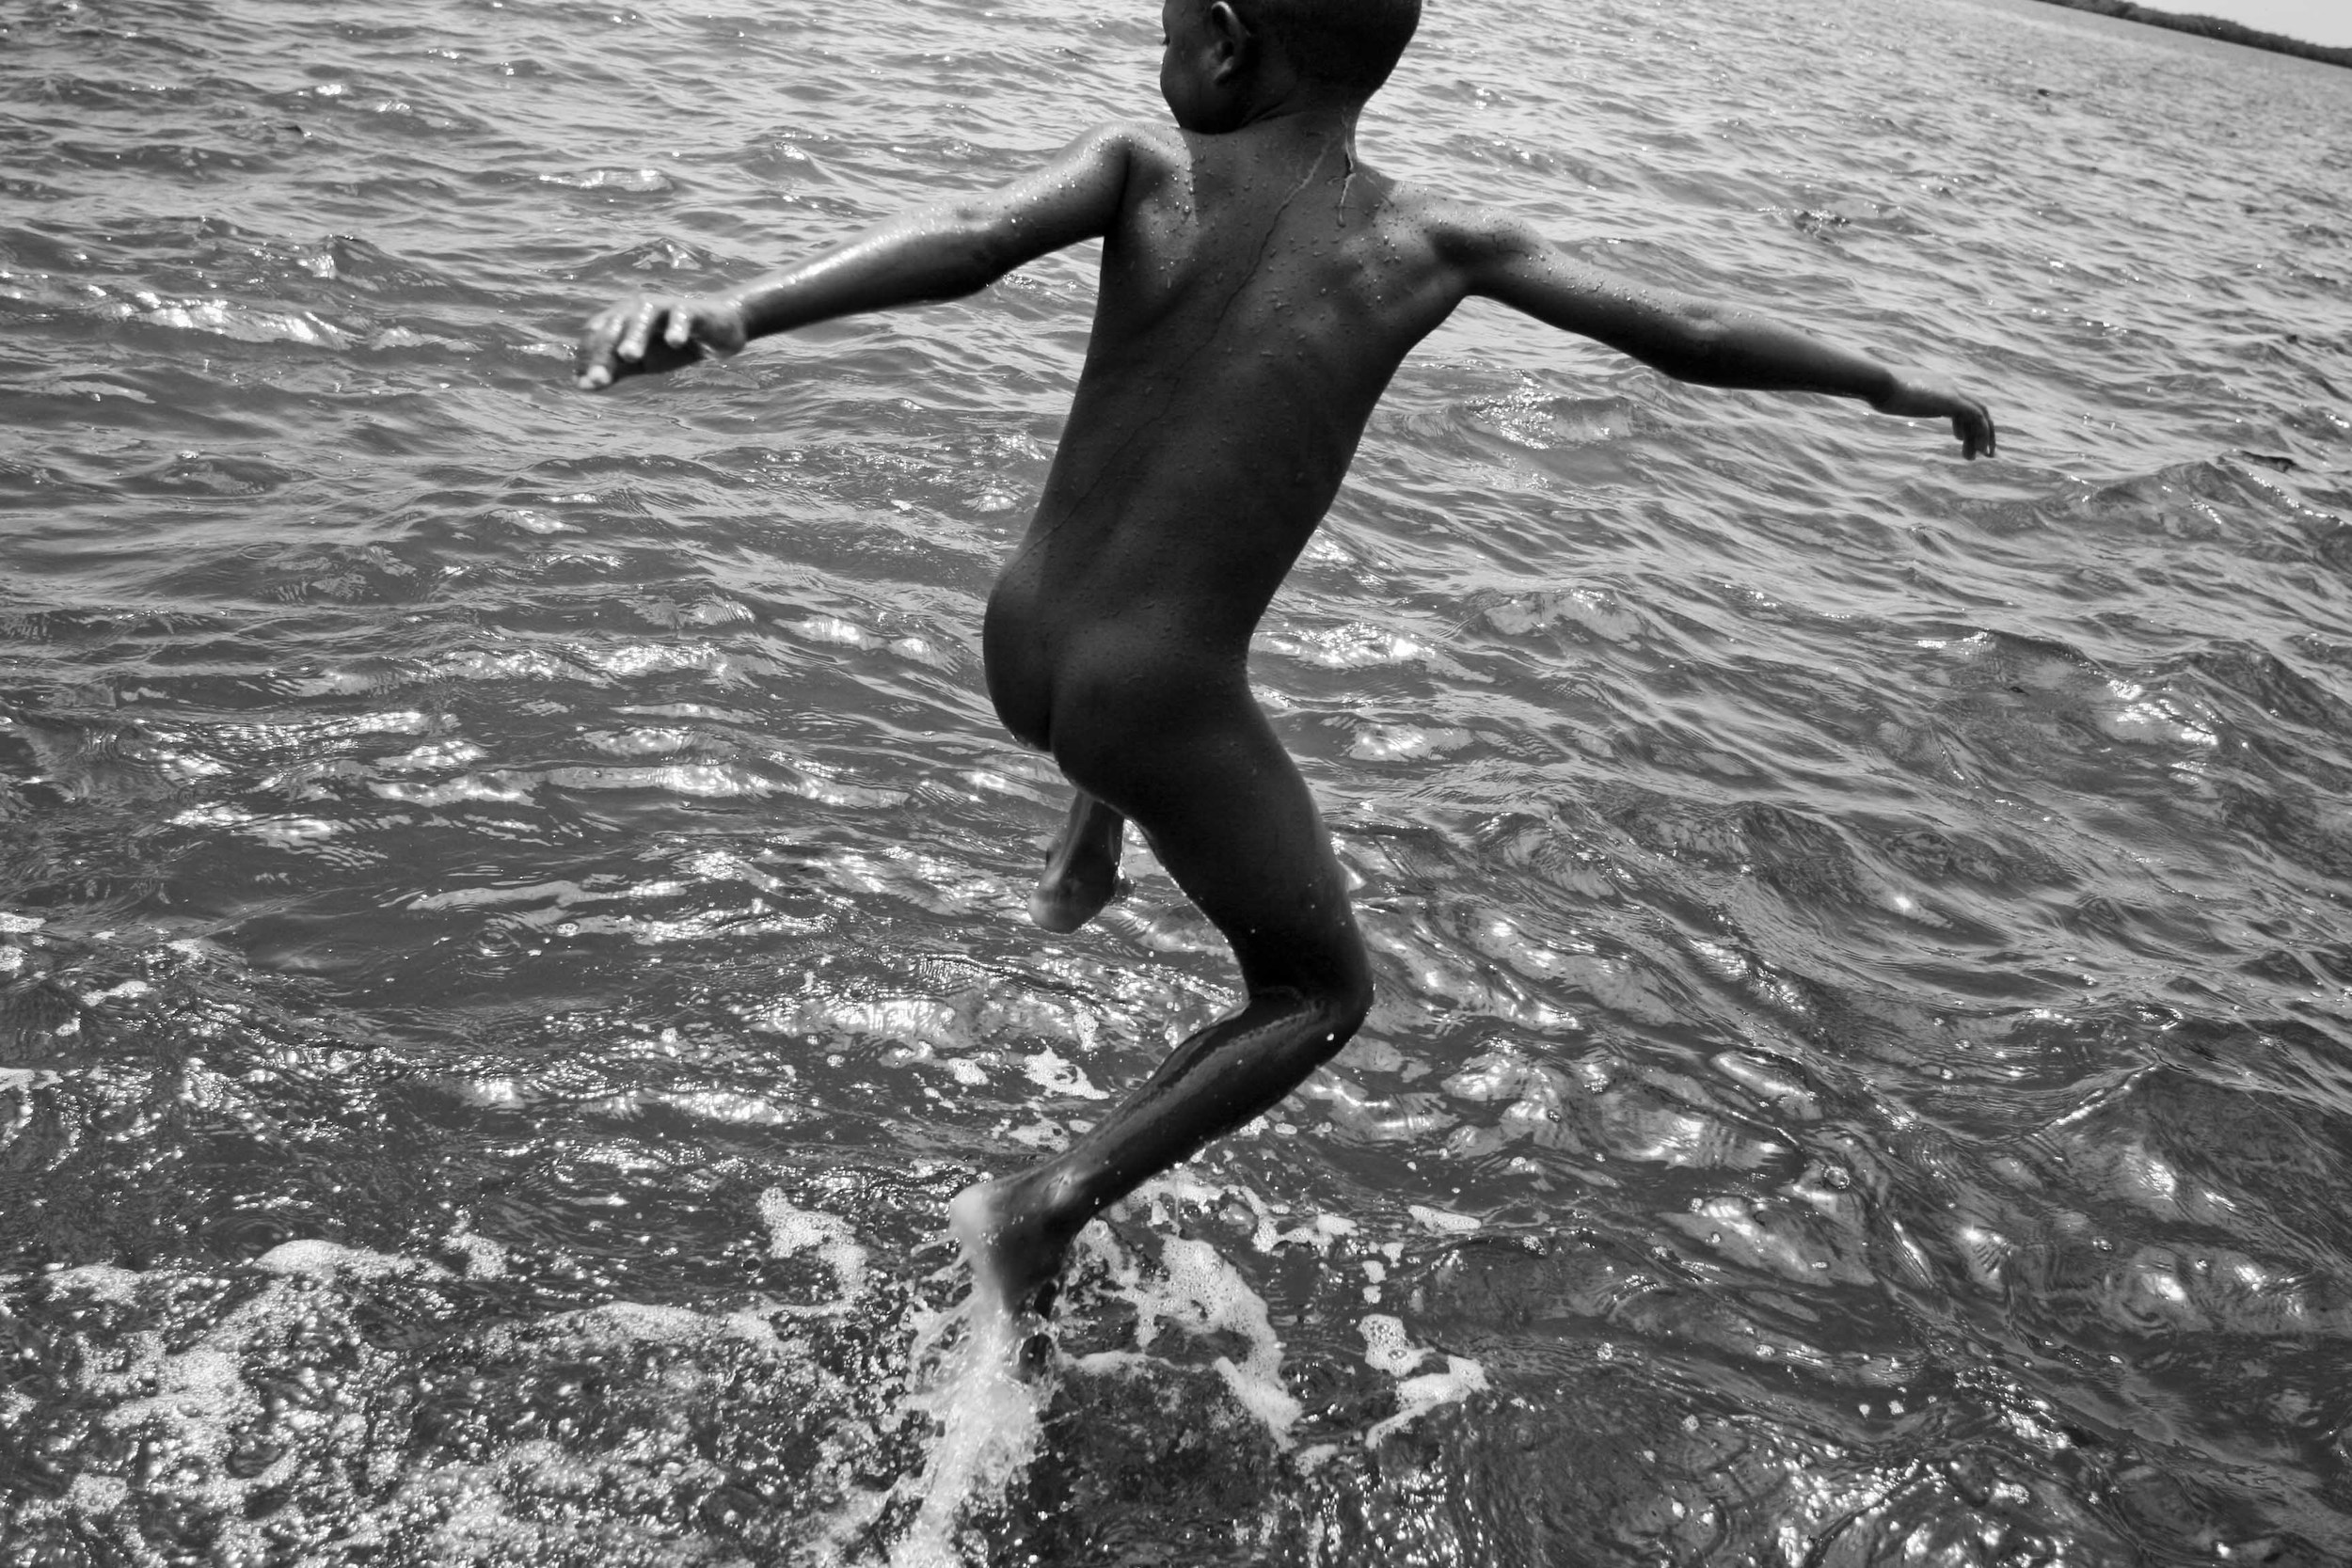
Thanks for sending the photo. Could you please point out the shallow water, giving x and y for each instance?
(509, 901)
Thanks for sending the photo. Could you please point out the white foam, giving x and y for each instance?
(1040, 1135)
(1201, 1293)
(1056, 1074)
(187, 1403)
(633, 1322)
(1197, 1292)
(1442, 1221)
(24, 1079)
(792, 1230)
(191, 1403)
(1180, 1186)
(102, 1280)
(96, 1496)
(1384, 1345)
(485, 1258)
(1318, 1233)
(1387, 1349)
(323, 1260)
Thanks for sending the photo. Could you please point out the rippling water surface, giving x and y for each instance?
(510, 901)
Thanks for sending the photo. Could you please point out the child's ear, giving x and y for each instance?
(1236, 46)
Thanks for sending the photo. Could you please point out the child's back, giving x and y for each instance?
(1258, 291)
(1259, 288)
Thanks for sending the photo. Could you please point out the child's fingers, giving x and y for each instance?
(1972, 424)
(644, 336)
(595, 364)
(640, 330)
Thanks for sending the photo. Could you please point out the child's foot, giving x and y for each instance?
(1066, 898)
(1014, 1254)
(1081, 874)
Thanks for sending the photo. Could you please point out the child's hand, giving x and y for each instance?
(648, 335)
(1924, 400)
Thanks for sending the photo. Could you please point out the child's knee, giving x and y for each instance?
(1353, 993)
(1332, 990)
(1341, 1012)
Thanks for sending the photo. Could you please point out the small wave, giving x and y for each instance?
(635, 181)
(247, 324)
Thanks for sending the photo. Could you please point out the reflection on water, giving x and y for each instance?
(510, 903)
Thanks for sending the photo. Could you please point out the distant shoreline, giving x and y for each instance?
(2211, 27)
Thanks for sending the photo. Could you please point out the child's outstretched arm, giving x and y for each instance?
(1689, 338)
(937, 252)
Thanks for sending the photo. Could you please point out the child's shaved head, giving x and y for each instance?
(1349, 45)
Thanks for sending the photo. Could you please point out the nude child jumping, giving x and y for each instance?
(1260, 285)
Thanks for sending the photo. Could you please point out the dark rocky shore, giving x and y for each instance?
(2211, 27)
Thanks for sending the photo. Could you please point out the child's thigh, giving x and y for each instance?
(1205, 778)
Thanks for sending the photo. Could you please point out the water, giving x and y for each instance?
(509, 901)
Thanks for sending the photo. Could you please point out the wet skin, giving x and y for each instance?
(1258, 287)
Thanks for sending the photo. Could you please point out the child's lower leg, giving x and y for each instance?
(1018, 1227)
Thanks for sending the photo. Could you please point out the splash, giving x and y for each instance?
(987, 1416)
(988, 1408)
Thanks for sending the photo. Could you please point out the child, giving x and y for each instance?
(1258, 287)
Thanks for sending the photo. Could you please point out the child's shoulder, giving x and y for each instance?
(1464, 229)
(1448, 231)
(1158, 144)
